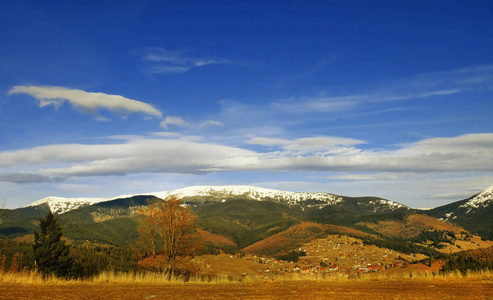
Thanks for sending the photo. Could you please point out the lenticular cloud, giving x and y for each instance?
(467, 153)
(85, 101)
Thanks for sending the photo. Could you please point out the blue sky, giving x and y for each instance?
(383, 98)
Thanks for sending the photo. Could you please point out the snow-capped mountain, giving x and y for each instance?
(472, 205)
(222, 193)
(474, 213)
(61, 205)
(244, 214)
(255, 193)
(483, 199)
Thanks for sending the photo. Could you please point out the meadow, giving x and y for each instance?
(109, 285)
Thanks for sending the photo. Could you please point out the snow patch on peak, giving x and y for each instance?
(221, 193)
(255, 193)
(383, 204)
(391, 204)
(483, 199)
(61, 205)
(448, 216)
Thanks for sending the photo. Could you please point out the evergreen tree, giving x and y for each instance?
(51, 254)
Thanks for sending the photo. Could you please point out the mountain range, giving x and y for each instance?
(219, 193)
(232, 218)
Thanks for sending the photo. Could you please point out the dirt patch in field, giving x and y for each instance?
(410, 289)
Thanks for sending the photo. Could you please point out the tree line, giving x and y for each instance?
(168, 241)
(168, 235)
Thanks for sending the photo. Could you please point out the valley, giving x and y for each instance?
(249, 232)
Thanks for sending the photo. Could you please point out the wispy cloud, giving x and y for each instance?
(85, 101)
(28, 177)
(317, 104)
(447, 196)
(422, 86)
(175, 121)
(164, 61)
(338, 104)
(372, 176)
(160, 69)
(210, 123)
(320, 145)
(179, 122)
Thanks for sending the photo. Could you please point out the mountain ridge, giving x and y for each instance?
(482, 198)
(245, 215)
(474, 213)
(319, 200)
(64, 204)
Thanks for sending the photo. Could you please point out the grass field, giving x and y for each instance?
(411, 289)
(148, 286)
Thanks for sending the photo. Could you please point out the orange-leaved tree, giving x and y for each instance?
(148, 229)
(176, 225)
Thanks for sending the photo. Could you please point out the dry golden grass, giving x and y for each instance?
(159, 278)
(110, 277)
(477, 285)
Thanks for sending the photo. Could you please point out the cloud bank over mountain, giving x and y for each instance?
(467, 153)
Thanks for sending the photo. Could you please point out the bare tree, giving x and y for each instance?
(176, 225)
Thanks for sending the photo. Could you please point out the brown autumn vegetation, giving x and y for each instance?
(289, 238)
(215, 240)
(252, 277)
(127, 286)
(295, 236)
(176, 226)
(411, 226)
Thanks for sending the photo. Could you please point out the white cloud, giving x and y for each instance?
(156, 54)
(166, 134)
(339, 104)
(28, 177)
(210, 123)
(175, 121)
(447, 196)
(85, 101)
(269, 141)
(373, 176)
(164, 61)
(133, 156)
(471, 152)
(317, 104)
(422, 86)
(481, 143)
(321, 145)
(179, 122)
(467, 153)
(159, 69)
(161, 156)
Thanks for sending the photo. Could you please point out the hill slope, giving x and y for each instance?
(474, 214)
(243, 217)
